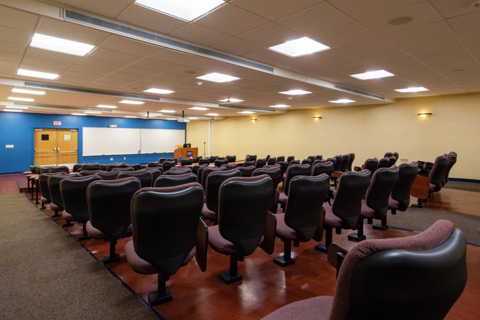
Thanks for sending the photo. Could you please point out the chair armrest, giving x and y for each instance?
(268, 244)
(201, 245)
(319, 232)
(420, 187)
(336, 254)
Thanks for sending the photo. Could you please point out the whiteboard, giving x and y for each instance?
(161, 140)
(115, 141)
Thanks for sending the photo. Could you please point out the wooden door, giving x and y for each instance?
(45, 147)
(67, 146)
(55, 146)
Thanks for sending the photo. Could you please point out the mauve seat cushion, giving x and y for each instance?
(282, 198)
(283, 231)
(55, 207)
(141, 266)
(207, 213)
(318, 308)
(67, 216)
(366, 211)
(219, 243)
(331, 219)
(97, 234)
(44, 200)
(393, 204)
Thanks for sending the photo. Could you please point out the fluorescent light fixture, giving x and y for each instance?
(181, 9)
(12, 110)
(37, 74)
(193, 118)
(299, 47)
(377, 74)
(280, 106)
(199, 108)
(21, 99)
(167, 111)
(26, 91)
(295, 92)
(246, 112)
(130, 117)
(232, 100)
(411, 89)
(104, 106)
(342, 101)
(212, 114)
(171, 119)
(131, 102)
(158, 91)
(16, 107)
(218, 77)
(50, 43)
(93, 112)
(78, 114)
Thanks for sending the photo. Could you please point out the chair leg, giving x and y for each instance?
(85, 234)
(232, 275)
(162, 294)
(338, 230)
(68, 224)
(369, 220)
(113, 257)
(359, 235)
(328, 239)
(419, 203)
(382, 226)
(56, 214)
(286, 259)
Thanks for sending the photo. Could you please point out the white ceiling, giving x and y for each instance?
(439, 49)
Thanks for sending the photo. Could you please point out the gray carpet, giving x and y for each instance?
(419, 219)
(46, 274)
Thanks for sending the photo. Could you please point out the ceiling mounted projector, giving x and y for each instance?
(182, 118)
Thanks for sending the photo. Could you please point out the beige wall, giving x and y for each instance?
(368, 131)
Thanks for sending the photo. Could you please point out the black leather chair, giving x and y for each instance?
(74, 196)
(206, 172)
(452, 156)
(280, 158)
(112, 166)
(90, 166)
(161, 160)
(220, 161)
(417, 277)
(292, 171)
(59, 169)
(43, 183)
(275, 173)
(167, 233)
(135, 166)
(85, 173)
(246, 171)
(375, 204)
(174, 180)
(196, 159)
(212, 187)
(345, 161)
(76, 167)
(260, 163)
(344, 212)
(109, 211)
(231, 158)
(105, 175)
(125, 168)
(350, 161)
(186, 162)
(271, 161)
(243, 221)
(144, 176)
(438, 175)
(290, 159)
(177, 171)
(56, 201)
(304, 214)
(370, 164)
(167, 165)
(323, 167)
(205, 161)
(384, 163)
(230, 166)
(153, 165)
(249, 163)
(251, 157)
(213, 158)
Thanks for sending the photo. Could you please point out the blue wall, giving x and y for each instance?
(18, 129)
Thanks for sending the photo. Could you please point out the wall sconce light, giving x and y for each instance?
(316, 118)
(253, 120)
(424, 115)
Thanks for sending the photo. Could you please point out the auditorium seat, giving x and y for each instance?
(292, 171)
(174, 180)
(56, 202)
(144, 176)
(275, 174)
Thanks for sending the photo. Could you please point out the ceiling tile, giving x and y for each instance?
(269, 35)
(420, 35)
(466, 24)
(274, 9)
(449, 8)
(312, 20)
(370, 8)
(236, 46)
(106, 8)
(14, 35)
(12, 47)
(173, 56)
(17, 19)
(130, 46)
(199, 35)
(346, 34)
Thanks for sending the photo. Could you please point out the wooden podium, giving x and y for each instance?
(186, 153)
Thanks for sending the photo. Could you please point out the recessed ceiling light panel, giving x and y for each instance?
(199, 108)
(246, 112)
(131, 102)
(158, 91)
(218, 77)
(12, 110)
(37, 74)
(411, 89)
(26, 91)
(21, 99)
(106, 106)
(377, 74)
(50, 43)
(78, 114)
(213, 114)
(295, 92)
(342, 101)
(280, 106)
(299, 47)
(231, 100)
(181, 9)
(167, 111)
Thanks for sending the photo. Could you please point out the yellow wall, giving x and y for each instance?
(368, 131)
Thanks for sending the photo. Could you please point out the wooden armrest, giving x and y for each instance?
(336, 254)
(337, 174)
(201, 245)
(268, 244)
(420, 187)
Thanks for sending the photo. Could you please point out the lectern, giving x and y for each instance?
(185, 153)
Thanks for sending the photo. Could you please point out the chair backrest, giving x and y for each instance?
(304, 206)
(452, 156)
(174, 180)
(306, 161)
(53, 183)
(311, 158)
(251, 157)
(204, 161)
(206, 172)
(371, 164)
(43, 169)
(76, 167)
(156, 172)
(74, 195)
(401, 192)
(144, 176)
(153, 165)
(90, 166)
(212, 186)
(283, 166)
(33, 169)
(213, 158)
(260, 163)
(280, 158)
(345, 161)
(381, 186)
(105, 175)
(89, 172)
(416, 277)
(186, 162)
(242, 211)
(350, 161)
(438, 174)
(293, 171)
(109, 205)
(112, 166)
(274, 172)
(347, 202)
(246, 171)
(249, 163)
(272, 161)
(172, 160)
(219, 161)
(177, 171)
(393, 160)
(323, 167)
(290, 158)
(231, 158)
(230, 166)
(43, 182)
(164, 222)
(59, 169)
(161, 160)
(196, 159)
(388, 154)
(135, 166)
(167, 165)
(384, 163)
